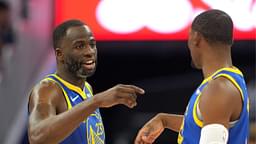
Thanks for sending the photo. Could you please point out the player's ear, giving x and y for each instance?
(197, 37)
(59, 54)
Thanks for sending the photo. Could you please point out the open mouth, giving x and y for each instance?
(90, 64)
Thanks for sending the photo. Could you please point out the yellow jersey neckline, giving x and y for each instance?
(70, 86)
(231, 69)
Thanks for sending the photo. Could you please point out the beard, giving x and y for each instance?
(74, 66)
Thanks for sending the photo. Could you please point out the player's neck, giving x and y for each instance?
(214, 62)
(71, 78)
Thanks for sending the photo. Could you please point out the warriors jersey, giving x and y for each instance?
(91, 130)
(192, 124)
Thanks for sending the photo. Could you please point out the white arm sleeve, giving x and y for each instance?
(214, 134)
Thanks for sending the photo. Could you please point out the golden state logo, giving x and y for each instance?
(95, 129)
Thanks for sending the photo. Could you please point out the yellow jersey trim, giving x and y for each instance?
(88, 87)
(71, 86)
(233, 69)
(180, 137)
(64, 92)
(238, 87)
(233, 81)
(195, 117)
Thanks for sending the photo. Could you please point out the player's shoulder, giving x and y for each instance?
(219, 100)
(47, 85)
(45, 90)
(220, 91)
(225, 87)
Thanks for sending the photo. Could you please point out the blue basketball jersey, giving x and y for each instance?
(91, 130)
(191, 127)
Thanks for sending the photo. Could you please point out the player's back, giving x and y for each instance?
(238, 132)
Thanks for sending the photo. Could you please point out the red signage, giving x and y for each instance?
(153, 19)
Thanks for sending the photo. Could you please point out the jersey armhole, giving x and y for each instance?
(232, 80)
(63, 91)
(196, 118)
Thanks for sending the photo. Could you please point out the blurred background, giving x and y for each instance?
(140, 42)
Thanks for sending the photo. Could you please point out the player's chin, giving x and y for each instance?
(89, 72)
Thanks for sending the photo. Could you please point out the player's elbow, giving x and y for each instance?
(38, 136)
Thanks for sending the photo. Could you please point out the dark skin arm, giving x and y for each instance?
(48, 126)
(152, 129)
(220, 103)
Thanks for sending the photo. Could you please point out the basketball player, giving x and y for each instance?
(217, 112)
(62, 106)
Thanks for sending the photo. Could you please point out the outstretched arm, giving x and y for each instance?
(152, 129)
(46, 126)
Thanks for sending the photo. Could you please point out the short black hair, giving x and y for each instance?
(4, 6)
(215, 25)
(60, 31)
